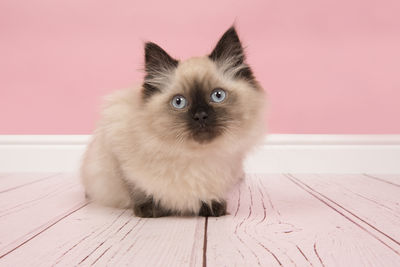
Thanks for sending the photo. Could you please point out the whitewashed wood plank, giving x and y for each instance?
(27, 195)
(103, 236)
(31, 188)
(373, 202)
(274, 222)
(393, 179)
(28, 210)
(13, 181)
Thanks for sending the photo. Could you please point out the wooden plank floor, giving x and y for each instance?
(274, 220)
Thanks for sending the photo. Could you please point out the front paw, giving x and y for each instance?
(144, 210)
(149, 209)
(217, 208)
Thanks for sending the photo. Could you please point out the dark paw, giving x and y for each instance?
(149, 209)
(215, 210)
(144, 210)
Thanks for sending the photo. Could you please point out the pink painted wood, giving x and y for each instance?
(288, 220)
(386, 178)
(34, 205)
(13, 181)
(373, 204)
(273, 222)
(105, 236)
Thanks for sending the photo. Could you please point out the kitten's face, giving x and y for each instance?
(201, 100)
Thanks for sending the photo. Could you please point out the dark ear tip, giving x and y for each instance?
(150, 45)
(231, 31)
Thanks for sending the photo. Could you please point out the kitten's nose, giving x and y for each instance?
(200, 116)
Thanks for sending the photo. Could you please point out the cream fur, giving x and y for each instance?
(137, 142)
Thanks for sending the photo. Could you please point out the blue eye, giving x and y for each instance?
(178, 102)
(218, 95)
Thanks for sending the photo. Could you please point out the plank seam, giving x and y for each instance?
(303, 186)
(106, 238)
(356, 216)
(316, 253)
(45, 229)
(26, 204)
(205, 243)
(29, 183)
(380, 179)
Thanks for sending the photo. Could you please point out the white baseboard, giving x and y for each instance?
(280, 153)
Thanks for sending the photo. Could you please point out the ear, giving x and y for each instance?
(229, 48)
(158, 65)
(229, 57)
(156, 59)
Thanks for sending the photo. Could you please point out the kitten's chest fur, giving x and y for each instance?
(180, 181)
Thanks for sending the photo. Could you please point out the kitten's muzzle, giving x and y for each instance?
(200, 116)
(202, 124)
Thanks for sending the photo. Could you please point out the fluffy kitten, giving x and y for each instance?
(176, 145)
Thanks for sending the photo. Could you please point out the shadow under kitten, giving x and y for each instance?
(146, 207)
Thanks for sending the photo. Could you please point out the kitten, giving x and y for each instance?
(175, 145)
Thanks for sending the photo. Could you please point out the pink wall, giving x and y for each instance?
(328, 66)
